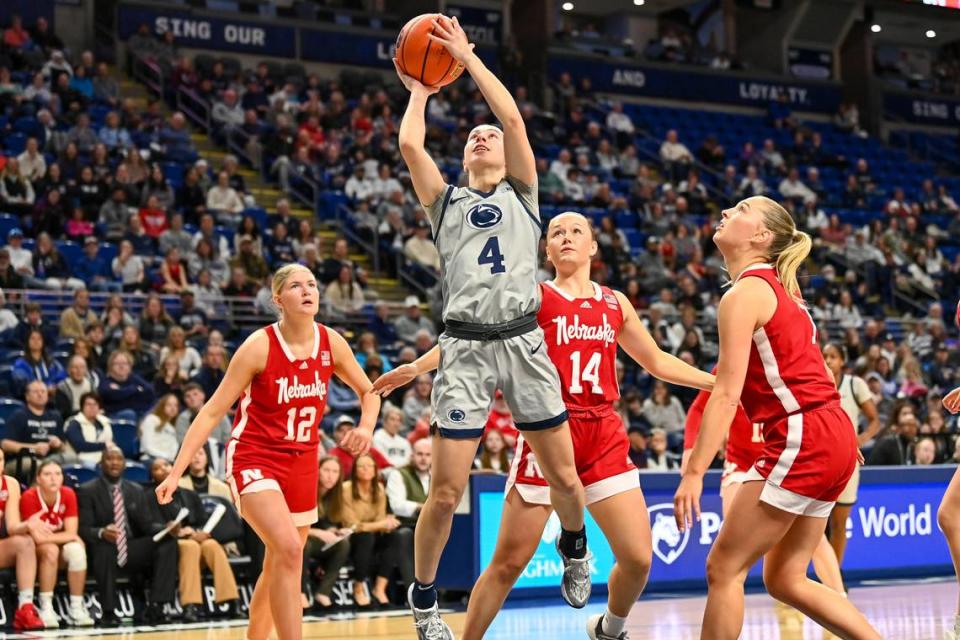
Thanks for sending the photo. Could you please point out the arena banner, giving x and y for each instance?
(482, 25)
(892, 532)
(922, 109)
(685, 83)
(361, 49)
(209, 32)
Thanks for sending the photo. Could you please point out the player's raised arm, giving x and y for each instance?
(249, 360)
(426, 178)
(399, 376)
(640, 345)
(516, 146)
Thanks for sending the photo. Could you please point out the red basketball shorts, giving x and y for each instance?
(252, 468)
(807, 460)
(600, 449)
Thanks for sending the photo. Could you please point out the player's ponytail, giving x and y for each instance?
(790, 246)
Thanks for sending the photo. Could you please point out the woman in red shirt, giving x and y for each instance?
(153, 217)
(58, 543)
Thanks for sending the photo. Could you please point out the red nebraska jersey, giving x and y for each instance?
(786, 373)
(581, 336)
(4, 496)
(283, 406)
(744, 441)
(65, 506)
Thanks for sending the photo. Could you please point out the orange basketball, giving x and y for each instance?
(423, 59)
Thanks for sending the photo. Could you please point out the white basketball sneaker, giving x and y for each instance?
(50, 618)
(595, 630)
(428, 623)
(80, 617)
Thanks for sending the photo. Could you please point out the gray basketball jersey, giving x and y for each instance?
(488, 245)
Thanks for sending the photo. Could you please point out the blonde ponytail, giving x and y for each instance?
(789, 248)
(789, 261)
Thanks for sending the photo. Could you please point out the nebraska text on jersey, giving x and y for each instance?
(576, 331)
(287, 390)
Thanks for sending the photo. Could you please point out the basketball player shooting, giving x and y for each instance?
(488, 238)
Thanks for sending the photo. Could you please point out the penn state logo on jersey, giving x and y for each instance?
(484, 215)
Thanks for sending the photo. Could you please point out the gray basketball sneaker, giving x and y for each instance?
(427, 621)
(595, 630)
(575, 586)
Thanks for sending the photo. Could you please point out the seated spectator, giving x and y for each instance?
(56, 505)
(250, 259)
(16, 193)
(388, 440)
(50, 268)
(227, 113)
(35, 430)
(143, 356)
(192, 319)
(117, 525)
(77, 315)
(153, 217)
(413, 321)
(897, 447)
(658, 458)
(793, 188)
(224, 198)
(36, 364)
(158, 435)
(193, 400)
(373, 547)
(925, 452)
(155, 323)
(93, 269)
(33, 319)
(129, 269)
(80, 380)
(494, 455)
(122, 390)
(675, 156)
(191, 198)
(174, 139)
(341, 427)
(187, 357)
(416, 399)
(115, 213)
(328, 540)
(113, 135)
(33, 166)
(345, 293)
(663, 410)
(212, 370)
(199, 476)
(173, 272)
(240, 285)
(9, 278)
(169, 379)
(195, 548)
(88, 432)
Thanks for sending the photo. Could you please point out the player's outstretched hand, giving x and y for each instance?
(451, 35)
(951, 401)
(166, 488)
(412, 84)
(357, 441)
(385, 384)
(686, 502)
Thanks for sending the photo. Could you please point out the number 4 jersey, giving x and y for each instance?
(489, 247)
(274, 441)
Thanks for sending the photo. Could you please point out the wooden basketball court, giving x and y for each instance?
(901, 611)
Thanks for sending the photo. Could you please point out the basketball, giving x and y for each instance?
(423, 59)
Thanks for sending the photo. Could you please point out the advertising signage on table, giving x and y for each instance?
(208, 32)
(892, 531)
(922, 109)
(686, 83)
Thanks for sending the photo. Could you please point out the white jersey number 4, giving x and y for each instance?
(590, 373)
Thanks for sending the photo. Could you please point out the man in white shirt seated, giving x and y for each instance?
(388, 440)
(407, 490)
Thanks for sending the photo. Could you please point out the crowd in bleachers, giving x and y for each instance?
(111, 200)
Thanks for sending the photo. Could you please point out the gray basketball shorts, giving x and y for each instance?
(472, 370)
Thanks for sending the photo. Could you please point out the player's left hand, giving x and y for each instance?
(686, 501)
(951, 401)
(397, 377)
(357, 441)
(451, 35)
(860, 459)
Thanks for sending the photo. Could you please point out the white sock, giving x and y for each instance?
(612, 625)
(46, 599)
(25, 597)
(76, 601)
(956, 623)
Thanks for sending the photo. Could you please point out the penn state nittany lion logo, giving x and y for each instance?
(484, 216)
(457, 415)
(668, 541)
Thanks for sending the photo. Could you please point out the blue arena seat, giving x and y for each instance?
(81, 472)
(8, 406)
(126, 436)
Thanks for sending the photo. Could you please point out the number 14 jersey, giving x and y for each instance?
(581, 336)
